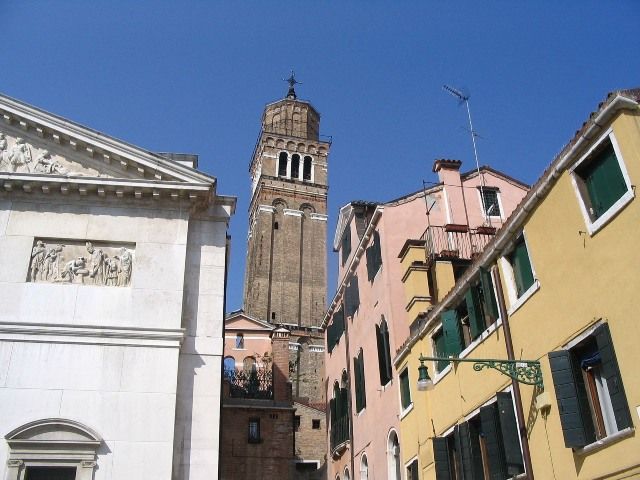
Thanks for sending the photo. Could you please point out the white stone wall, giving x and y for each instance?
(110, 357)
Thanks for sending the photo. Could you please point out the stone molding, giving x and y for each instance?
(91, 335)
(292, 212)
(319, 216)
(267, 208)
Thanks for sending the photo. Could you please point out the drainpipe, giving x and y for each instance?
(349, 407)
(526, 453)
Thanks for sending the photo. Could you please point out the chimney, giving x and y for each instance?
(449, 175)
(280, 352)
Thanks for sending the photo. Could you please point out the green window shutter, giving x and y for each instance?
(377, 249)
(521, 267)
(476, 321)
(452, 333)
(332, 410)
(386, 349)
(611, 373)
(352, 297)
(468, 448)
(346, 244)
(343, 410)
(604, 181)
(370, 269)
(381, 357)
(441, 351)
(573, 405)
(356, 374)
(363, 390)
(405, 391)
(441, 458)
(487, 293)
(510, 436)
(490, 425)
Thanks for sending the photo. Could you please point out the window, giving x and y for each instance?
(490, 201)
(412, 470)
(351, 297)
(315, 424)
(50, 473)
(295, 166)
(249, 365)
(345, 249)
(405, 391)
(358, 369)
(339, 411)
(393, 457)
(374, 257)
(254, 430)
(440, 350)
(602, 182)
(229, 366)
(589, 389)
(486, 446)
(306, 169)
(384, 355)
(296, 422)
(335, 329)
(520, 269)
(364, 468)
(347, 476)
(282, 164)
(240, 341)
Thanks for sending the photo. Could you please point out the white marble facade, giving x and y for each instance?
(112, 264)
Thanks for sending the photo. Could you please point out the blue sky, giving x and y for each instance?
(194, 76)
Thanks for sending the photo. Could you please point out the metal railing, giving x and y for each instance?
(455, 243)
(250, 384)
(339, 431)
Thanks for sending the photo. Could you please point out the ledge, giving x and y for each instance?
(606, 441)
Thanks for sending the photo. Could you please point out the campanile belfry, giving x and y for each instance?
(285, 280)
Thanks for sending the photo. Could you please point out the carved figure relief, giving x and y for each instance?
(83, 263)
(17, 156)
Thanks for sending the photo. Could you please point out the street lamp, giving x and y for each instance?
(522, 371)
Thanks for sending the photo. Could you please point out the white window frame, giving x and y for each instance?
(404, 411)
(498, 196)
(516, 302)
(594, 226)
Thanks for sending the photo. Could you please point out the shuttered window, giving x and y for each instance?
(589, 390)
(602, 180)
(412, 470)
(474, 310)
(384, 355)
(488, 295)
(452, 331)
(352, 297)
(441, 350)
(405, 391)
(345, 249)
(374, 257)
(335, 329)
(358, 369)
(521, 267)
(442, 458)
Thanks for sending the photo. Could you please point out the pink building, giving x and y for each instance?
(371, 314)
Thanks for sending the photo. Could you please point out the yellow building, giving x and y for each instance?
(567, 267)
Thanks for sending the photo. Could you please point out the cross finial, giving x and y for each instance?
(292, 82)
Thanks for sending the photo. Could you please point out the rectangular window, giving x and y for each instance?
(374, 257)
(351, 297)
(358, 368)
(384, 355)
(440, 349)
(521, 269)
(490, 201)
(315, 424)
(405, 391)
(240, 341)
(335, 329)
(589, 390)
(296, 422)
(345, 249)
(485, 446)
(254, 430)
(602, 182)
(412, 470)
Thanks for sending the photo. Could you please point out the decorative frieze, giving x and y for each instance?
(88, 263)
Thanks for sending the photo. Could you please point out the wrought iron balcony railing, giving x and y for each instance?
(250, 384)
(455, 241)
(339, 431)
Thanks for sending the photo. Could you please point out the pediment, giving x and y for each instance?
(53, 430)
(241, 321)
(38, 146)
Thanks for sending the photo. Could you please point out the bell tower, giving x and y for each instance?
(285, 279)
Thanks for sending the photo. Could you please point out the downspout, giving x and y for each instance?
(349, 406)
(522, 430)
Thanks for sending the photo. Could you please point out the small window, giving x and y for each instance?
(521, 268)
(295, 166)
(306, 170)
(358, 368)
(384, 355)
(273, 315)
(345, 250)
(374, 257)
(282, 164)
(296, 422)
(405, 391)
(315, 424)
(254, 430)
(589, 390)
(335, 329)
(364, 468)
(351, 297)
(275, 225)
(602, 182)
(490, 202)
(240, 341)
(412, 470)
(440, 350)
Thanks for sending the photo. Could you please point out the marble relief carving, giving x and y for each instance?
(84, 263)
(17, 156)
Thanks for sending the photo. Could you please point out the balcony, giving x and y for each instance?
(455, 242)
(254, 384)
(339, 433)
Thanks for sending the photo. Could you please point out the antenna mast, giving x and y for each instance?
(465, 98)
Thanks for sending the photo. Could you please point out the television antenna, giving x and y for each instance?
(464, 98)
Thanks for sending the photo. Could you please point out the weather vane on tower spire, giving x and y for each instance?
(292, 82)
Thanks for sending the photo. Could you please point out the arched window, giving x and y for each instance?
(282, 164)
(249, 365)
(384, 355)
(364, 468)
(393, 456)
(306, 169)
(295, 165)
(347, 476)
(229, 365)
